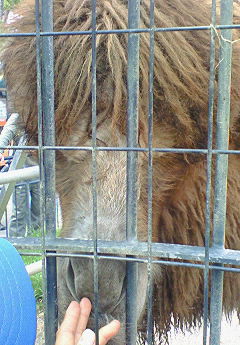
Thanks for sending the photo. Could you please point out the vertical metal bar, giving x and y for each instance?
(40, 153)
(48, 128)
(27, 191)
(94, 167)
(132, 141)
(150, 325)
(16, 208)
(6, 222)
(223, 114)
(209, 171)
(57, 213)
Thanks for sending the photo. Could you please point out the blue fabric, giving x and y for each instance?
(17, 302)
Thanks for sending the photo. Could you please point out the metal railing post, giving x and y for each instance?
(223, 116)
(49, 164)
(132, 141)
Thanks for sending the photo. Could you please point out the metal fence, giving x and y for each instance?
(206, 258)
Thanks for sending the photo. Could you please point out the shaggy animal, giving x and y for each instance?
(181, 75)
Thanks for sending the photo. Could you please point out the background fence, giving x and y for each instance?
(212, 258)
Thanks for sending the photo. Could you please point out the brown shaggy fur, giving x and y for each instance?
(181, 74)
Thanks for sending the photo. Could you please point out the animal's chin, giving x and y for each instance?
(103, 320)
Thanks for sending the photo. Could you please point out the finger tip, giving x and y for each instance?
(117, 322)
(73, 307)
(85, 302)
(73, 304)
(116, 325)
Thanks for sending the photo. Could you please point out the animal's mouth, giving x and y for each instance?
(112, 311)
(102, 320)
(121, 299)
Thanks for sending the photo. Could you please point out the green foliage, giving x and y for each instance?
(36, 278)
(9, 4)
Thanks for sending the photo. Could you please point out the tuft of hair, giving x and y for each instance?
(180, 66)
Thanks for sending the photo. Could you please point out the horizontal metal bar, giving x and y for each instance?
(19, 147)
(19, 175)
(121, 31)
(134, 259)
(139, 249)
(124, 149)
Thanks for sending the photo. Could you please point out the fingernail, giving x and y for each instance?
(87, 338)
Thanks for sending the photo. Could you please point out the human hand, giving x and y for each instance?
(73, 328)
(2, 161)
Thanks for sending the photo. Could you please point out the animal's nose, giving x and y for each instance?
(109, 228)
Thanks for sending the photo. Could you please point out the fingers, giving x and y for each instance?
(105, 334)
(109, 331)
(72, 330)
(86, 336)
(67, 330)
(85, 309)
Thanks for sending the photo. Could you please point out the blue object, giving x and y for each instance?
(17, 302)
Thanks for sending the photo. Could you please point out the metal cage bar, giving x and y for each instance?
(150, 324)
(40, 153)
(132, 141)
(122, 31)
(209, 172)
(94, 166)
(220, 193)
(48, 128)
(136, 249)
(125, 149)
